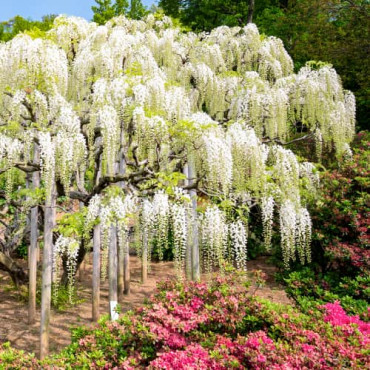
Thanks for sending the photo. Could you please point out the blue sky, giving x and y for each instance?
(35, 9)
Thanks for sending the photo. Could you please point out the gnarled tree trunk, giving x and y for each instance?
(16, 272)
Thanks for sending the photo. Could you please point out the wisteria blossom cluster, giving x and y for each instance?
(140, 99)
(65, 247)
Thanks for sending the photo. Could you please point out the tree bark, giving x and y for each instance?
(16, 272)
(33, 251)
(250, 11)
(194, 229)
(96, 273)
(49, 224)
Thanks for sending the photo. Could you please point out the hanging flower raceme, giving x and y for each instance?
(218, 162)
(214, 235)
(123, 211)
(286, 173)
(239, 238)
(107, 119)
(152, 134)
(295, 231)
(47, 161)
(68, 248)
(179, 216)
(267, 205)
(10, 153)
(249, 158)
(92, 214)
(147, 222)
(303, 235)
(288, 220)
(161, 209)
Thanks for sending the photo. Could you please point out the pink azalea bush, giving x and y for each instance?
(218, 326)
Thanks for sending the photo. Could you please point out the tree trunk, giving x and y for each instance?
(194, 229)
(96, 273)
(33, 251)
(49, 224)
(250, 11)
(16, 272)
(112, 273)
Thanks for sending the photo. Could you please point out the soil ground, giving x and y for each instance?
(13, 311)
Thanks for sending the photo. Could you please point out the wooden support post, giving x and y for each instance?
(126, 267)
(112, 273)
(33, 251)
(47, 271)
(96, 273)
(144, 259)
(194, 227)
(188, 268)
(121, 247)
(122, 243)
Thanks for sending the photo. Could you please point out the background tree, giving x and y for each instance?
(205, 15)
(137, 10)
(106, 10)
(18, 24)
(171, 7)
(333, 31)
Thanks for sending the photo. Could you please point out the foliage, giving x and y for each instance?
(18, 24)
(105, 10)
(205, 15)
(309, 288)
(216, 326)
(342, 214)
(332, 31)
(14, 359)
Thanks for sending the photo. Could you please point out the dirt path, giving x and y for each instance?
(13, 312)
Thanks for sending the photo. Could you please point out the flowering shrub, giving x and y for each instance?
(341, 269)
(215, 326)
(309, 288)
(338, 317)
(342, 219)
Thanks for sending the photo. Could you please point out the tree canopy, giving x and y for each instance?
(106, 10)
(18, 24)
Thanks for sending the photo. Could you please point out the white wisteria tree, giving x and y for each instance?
(129, 122)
